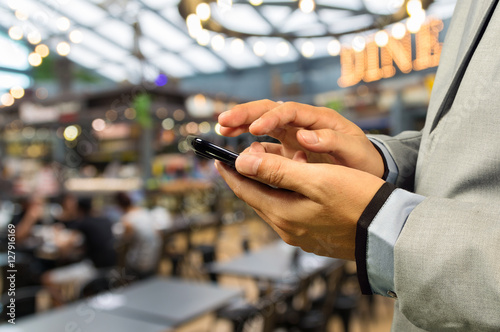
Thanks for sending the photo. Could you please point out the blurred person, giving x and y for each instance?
(160, 215)
(32, 213)
(69, 210)
(141, 235)
(99, 252)
(418, 212)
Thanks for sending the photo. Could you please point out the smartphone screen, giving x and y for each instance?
(207, 149)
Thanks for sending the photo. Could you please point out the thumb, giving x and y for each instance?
(275, 170)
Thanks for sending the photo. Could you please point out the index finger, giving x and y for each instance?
(236, 121)
(298, 115)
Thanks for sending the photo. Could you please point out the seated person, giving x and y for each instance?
(100, 255)
(142, 237)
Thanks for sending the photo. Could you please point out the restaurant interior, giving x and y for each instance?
(110, 222)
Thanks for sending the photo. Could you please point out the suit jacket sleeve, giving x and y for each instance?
(404, 150)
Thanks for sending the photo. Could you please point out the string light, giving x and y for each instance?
(203, 11)
(34, 59)
(218, 42)
(76, 36)
(358, 43)
(7, 99)
(237, 46)
(194, 26)
(398, 30)
(63, 23)
(334, 47)
(259, 48)
(381, 38)
(63, 48)
(203, 37)
(413, 7)
(16, 33)
(17, 92)
(307, 49)
(307, 6)
(42, 50)
(34, 37)
(282, 49)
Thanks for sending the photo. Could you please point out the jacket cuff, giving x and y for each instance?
(364, 222)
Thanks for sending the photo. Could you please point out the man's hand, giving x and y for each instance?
(320, 207)
(323, 135)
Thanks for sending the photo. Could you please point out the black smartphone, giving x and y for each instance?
(207, 149)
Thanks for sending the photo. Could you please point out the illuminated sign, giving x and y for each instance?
(374, 63)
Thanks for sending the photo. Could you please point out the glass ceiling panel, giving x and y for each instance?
(117, 31)
(114, 72)
(242, 18)
(172, 65)
(239, 58)
(297, 20)
(82, 11)
(83, 56)
(164, 33)
(103, 47)
(8, 80)
(351, 4)
(161, 4)
(203, 59)
(275, 14)
(13, 55)
(273, 51)
(350, 23)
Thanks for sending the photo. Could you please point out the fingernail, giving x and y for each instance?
(309, 137)
(248, 164)
(222, 115)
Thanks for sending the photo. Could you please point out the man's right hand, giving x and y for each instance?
(323, 135)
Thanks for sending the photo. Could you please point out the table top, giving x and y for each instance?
(83, 318)
(171, 300)
(276, 262)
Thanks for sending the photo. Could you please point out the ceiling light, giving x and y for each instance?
(381, 38)
(76, 36)
(413, 6)
(256, 2)
(194, 26)
(16, 33)
(35, 59)
(307, 6)
(358, 43)
(237, 46)
(334, 47)
(43, 50)
(63, 23)
(282, 49)
(17, 92)
(203, 11)
(307, 49)
(398, 30)
(203, 37)
(218, 42)
(20, 15)
(7, 99)
(34, 37)
(259, 48)
(63, 48)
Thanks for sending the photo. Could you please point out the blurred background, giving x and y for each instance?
(97, 98)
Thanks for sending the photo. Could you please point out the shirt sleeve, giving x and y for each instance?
(378, 230)
(391, 173)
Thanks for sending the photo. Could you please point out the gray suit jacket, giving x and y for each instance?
(447, 258)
